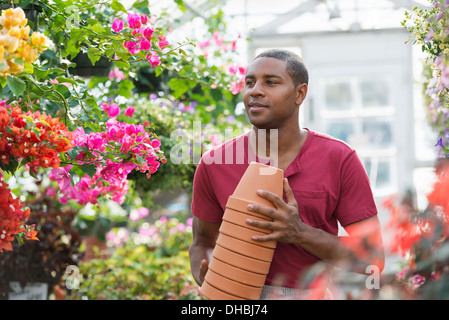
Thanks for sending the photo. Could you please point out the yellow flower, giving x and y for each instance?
(10, 43)
(13, 17)
(38, 40)
(14, 67)
(2, 52)
(14, 32)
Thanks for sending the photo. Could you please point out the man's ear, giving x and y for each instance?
(301, 93)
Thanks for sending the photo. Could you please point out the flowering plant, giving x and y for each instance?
(422, 238)
(17, 47)
(31, 138)
(430, 29)
(107, 157)
(58, 247)
(13, 219)
(158, 255)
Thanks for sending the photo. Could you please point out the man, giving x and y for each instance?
(325, 182)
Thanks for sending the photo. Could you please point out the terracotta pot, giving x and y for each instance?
(259, 176)
(241, 205)
(237, 274)
(233, 287)
(240, 261)
(239, 264)
(240, 218)
(245, 248)
(213, 293)
(245, 234)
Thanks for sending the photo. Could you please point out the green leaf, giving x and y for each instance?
(16, 85)
(181, 5)
(73, 153)
(2, 82)
(39, 73)
(179, 86)
(90, 169)
(117, 6)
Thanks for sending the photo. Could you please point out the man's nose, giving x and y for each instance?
(257, 90)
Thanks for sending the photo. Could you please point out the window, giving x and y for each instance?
(359, 110)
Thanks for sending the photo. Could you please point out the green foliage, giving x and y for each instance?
(45, 260)
(152, 264)
(430, 30)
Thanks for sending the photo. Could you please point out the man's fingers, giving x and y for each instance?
(289, 196)
(203, 269)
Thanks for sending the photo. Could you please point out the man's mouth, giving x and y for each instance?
(256, 106)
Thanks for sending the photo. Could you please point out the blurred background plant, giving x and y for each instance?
(430, 29)
(45, 260)
(142, 77)
(148, 261)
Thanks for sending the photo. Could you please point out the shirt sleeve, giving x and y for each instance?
(356, 197)
(205, 204)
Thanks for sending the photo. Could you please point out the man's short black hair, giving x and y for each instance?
(296, 67)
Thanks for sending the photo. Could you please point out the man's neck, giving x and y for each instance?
(282, 146)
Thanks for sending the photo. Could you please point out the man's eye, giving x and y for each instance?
(271, 82)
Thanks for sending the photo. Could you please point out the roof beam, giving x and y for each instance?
(408, 4)
(282, 19)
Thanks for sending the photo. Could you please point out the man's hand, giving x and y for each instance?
(203, 270)
(286, 224)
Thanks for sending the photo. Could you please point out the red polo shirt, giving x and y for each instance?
(328, 180)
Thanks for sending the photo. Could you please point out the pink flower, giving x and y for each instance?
(155, 143)
(117, 74)
(148, 33)
(204, 44)
(79, 137)
(51, 192)
(163, 42)
(138, 214)
(117, 25)
(95, 141)
(143, 212)
(144, 19)
(132, 46)
(129, 111)
(218, 39)
(215, 140)
(163, 219)
(237, 86)
(127, 142)
(232, 68)
(113, 109)
(153, 58)
(61, 176)
(134, 20)
(145, 44)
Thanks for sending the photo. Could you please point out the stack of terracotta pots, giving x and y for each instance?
(239, 265)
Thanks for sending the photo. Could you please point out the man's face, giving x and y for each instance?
(270, 97)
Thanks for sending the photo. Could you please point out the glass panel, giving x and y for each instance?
(375, 93)
(340, 129)
(337, 95)
(379, 132)
(379, 172)
(383, 175)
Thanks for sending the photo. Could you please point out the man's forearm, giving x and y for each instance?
(198, 253)
(331, 248)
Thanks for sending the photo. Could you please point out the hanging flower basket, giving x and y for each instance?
(85, 68)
